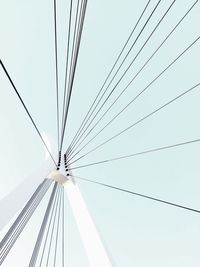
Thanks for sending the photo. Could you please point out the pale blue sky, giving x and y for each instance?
(137, 232)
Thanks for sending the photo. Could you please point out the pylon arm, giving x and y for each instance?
(96, 253)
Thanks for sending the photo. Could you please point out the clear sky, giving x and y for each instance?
(136, 231)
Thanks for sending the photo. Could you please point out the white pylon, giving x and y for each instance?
(94, 248)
